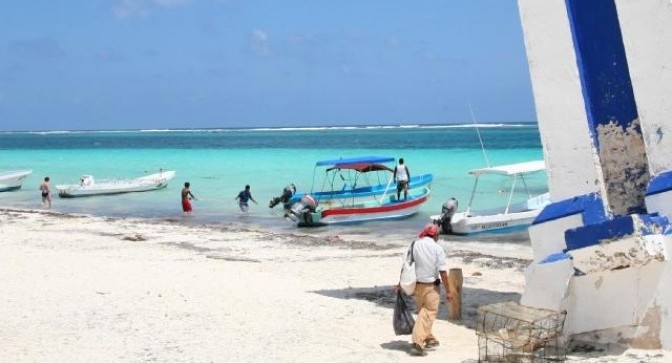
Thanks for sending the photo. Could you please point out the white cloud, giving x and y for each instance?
(260, 43)
(133, 8)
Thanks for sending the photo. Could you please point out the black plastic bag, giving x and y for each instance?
(403, 319)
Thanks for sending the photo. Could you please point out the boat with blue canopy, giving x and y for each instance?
(356, 190)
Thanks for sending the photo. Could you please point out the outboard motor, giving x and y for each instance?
(448, 209)
(306, 204)
(284, 198)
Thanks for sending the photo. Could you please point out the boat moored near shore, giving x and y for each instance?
(88, 186)
(511, 217)
(357, 190)
(12, 180)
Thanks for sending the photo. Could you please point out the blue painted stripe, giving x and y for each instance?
(615, 229)
(660, 183)
(555, 257)
(358, 160)
(590, 235)
(603, 67)
(590, 207)
(594, 210)
(609, 100)
(654, 224)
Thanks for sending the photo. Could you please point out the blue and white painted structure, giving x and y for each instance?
(602, 79)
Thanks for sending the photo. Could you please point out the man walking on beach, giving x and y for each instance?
(401, 177)
(46, 193)
(430, 263)
(243, 197)
(186, 198)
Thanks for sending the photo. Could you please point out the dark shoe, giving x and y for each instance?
(433, 343)
(418, 350)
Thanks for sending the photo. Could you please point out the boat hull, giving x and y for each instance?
(143, 184)
(364, 212)
(13, 180)
(463, 224)
(496, 221)
(506, 219)
(363, 195)
(84, 192)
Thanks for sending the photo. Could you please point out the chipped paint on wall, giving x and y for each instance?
(624, 166)
(634, 251)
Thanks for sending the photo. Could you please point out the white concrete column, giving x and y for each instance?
(558, 99)
(646, 27)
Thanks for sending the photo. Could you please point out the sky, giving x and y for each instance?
(145, 64)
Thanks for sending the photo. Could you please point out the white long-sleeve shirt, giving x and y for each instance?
(430, 258)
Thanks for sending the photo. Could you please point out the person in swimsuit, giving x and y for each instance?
(186, 197)
(243, 197)
(46, 193)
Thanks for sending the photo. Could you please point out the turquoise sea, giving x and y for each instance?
(219, 162)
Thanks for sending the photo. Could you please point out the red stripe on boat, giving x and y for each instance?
(387, 208)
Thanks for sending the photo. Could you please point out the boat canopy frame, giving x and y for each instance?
(517, 171)
(351, 171)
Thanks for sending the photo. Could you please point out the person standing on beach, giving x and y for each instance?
(186, 198)
(46, 193)
(243, 197)
(401, 177)
(430, 270)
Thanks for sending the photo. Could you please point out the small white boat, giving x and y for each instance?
(509, 218)
(88, 186)
(10, 180)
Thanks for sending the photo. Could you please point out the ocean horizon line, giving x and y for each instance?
(283, 128)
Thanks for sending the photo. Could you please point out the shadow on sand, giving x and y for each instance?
(471, 300)
(385, 296)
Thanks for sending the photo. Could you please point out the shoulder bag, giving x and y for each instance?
(407, 279)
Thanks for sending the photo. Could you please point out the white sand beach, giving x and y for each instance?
(89, 289)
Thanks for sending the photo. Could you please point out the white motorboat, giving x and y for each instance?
(10, 180)
(509, 218)
(88, 186)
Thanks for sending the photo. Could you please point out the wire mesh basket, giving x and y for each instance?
(511, 333)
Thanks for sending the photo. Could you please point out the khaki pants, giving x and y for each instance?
(427, 298)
